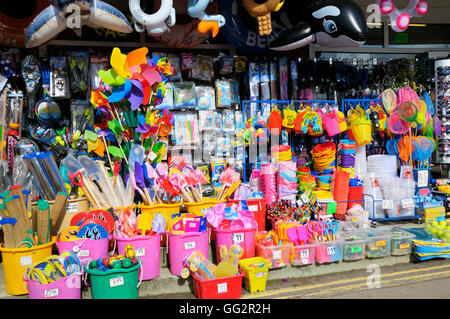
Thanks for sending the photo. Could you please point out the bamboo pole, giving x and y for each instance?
(9, 237)
(57, 212)
(43, 222)
(3, 124)
(16, 210)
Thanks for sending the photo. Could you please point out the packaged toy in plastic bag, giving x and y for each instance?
(235, 94)
(174, 61)
(228, 121)
(78, 62)
(186, 128)
(184, 95)
(186, 61)
(226, 65)
(206, 97)
(209, 146)
(218, 121)
(223, 93)
(202, 68)
(59, 78)
(206, 120)
(167, 101)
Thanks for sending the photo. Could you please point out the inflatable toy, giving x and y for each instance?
(73, 14)
(330, 23)
(400, 19)
(262, 11)
(196, 9)
(155, 24)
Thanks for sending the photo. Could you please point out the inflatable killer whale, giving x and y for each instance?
(93, 13)
(330, 23)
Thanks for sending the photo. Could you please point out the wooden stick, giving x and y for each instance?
(16, 210)
(8, 230)
(107, 152)
(3, 123)
(20, 117)
(57, 212)
(17, 191)
(43, 222)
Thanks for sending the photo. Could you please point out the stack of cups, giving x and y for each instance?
(324, 156)
(382, 165)
(346, 157)
(268, 182)
(355, 192)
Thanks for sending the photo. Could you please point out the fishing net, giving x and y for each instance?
(427, 147)
(407, 111)
(397, 125)
(405, 148)
(389, 100)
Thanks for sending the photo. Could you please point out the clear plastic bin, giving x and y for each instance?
(379, 243)
(302, 255)
(401, 243)
(354, 245)
(277, 256)
(328, 251)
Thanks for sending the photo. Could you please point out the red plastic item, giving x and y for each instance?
(219, 288)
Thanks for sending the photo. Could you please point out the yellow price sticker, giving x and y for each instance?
(380, 243)
(402, 246)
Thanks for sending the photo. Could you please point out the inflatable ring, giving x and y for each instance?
(242, 36)
(12, 30)
(400, 19)
(184, 36)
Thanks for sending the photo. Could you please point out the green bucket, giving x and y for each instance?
(114, 284)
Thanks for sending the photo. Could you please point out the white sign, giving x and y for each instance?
(238, 238)
(189, 245)
(83, 253)
(408, 203)
(260, 274)
(422, 178)
(72, 207)
(26, 261)
(152, 156)
(388, 204)
(300, 202)
(277, 254)
(221, 288)
(139, 252)
(253, 208)
(304, 198)
(51, 293)
(331, 250)
(304, 253)
(114, 282)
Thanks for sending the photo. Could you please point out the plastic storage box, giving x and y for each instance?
(302, 255)
(218, 288)
(328, 251)
(354, 245)
(379, 243)
(401, 243)
(277, 256)
(255, 273)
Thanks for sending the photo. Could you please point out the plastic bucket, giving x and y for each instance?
(362, 132)
(17, 261)
(114, 284)
(258, 208)
(255, 277)
(199, 209)
(219, 288)
(147, 248)
(86, 249)
(243, 237)
(181, 246)
(65, 288)
(331, 124)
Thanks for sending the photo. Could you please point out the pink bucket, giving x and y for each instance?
(182, 246)
(65, 288)
(86, 249)
(331, 123)
(147, 248)
(244, 237)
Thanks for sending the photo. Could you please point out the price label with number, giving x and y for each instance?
(388, 204)
(422, 178)
(222, 288)
(356, 249)
(380, 243)
(189, 245)
(304, 198)
(276, 254)
(72, 207)
(83, 253)
(304, 253)
(331, 250)
(238, 238)
(117, 281)
(51, 293)
(403, 246)
(408, 203)
(260, 274)
(140, 252)
(26, 261)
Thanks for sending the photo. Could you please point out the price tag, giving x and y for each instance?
(51, 293)
(422, 178)
(205, 211)
(83, 253)
(114, 282)
(388, 204)
(260, 274)
(304, 253)
(408, 203)
(300, 202)
(331, 250)
(304, 198)
(139, 252)
(72, 207)
(238, 238)
(189, 245)
(253, 208)
(277, 254)
(26, 261)
(152, 156)
(356, 249)
(402, 246)
(380, 243)
(222, 288)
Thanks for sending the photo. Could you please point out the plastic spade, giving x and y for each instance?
(178, 181)
(118, 93)
(133, 183)
(191, 178)
(302, 234)
(292, 235)
(152, 175)
(140, 182)
(137, 154)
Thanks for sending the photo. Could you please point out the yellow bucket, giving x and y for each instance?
(199, 209)
(17, 261)
(255, 277)
(167, 210)
(362, 132)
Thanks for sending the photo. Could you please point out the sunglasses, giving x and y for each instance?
(443, 77)
(443, 70)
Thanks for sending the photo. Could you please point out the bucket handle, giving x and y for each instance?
(142, 273)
